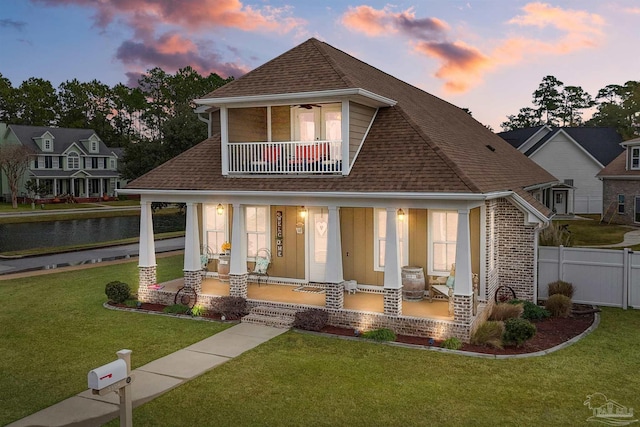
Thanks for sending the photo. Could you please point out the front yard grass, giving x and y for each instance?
(299, 379)
(590, 232)
(53, 330)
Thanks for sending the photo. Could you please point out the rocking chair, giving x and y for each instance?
(263, 260)
(205, 256)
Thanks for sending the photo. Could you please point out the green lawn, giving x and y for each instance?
(53, 330)
(591, 232)
(6, 207)
(296, 379)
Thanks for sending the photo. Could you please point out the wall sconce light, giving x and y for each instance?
(220, 209)
(400, 214)
(303, 212)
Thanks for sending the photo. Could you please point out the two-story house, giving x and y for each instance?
(574, 155)
(621, 186)
(348, 175)
(65, 161)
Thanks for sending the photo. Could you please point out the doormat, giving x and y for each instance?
(309, 289)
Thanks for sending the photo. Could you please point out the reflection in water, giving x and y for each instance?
(16, 237)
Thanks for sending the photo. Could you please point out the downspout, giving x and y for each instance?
(207, 121)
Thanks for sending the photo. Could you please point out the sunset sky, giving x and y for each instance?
(488, 56)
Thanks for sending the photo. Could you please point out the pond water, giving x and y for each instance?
(16, 237)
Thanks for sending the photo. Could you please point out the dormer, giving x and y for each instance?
(633, 154)
(45, 142)
(307, 133)
(91, 144)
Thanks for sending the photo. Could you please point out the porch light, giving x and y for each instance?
(303, 212)
(400, 214)
(220, 209)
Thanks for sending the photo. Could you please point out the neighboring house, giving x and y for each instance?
(118, 152)
(65, 161)
(621, 186)
(347, 174)
(574, 155)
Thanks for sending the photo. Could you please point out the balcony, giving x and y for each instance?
(282, 158)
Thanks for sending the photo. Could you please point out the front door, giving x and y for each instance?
(317, 228)
(560, 202)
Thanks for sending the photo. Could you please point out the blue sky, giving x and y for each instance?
(488, 56)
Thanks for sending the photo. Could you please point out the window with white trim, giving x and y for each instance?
(48, 162)
(94, 146)
(215, 228)
(256, 229)
(620, 203)
(380, 238)
(443, 232)
(47, 145)
(637, 211)
(635, 157)
(73, 161)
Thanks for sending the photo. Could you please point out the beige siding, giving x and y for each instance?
(248, 124)
(418, 242)
(360, 117)
(215, 122)
(292, 263)
(281, 123)
(357, 246)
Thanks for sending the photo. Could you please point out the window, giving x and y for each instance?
(215, 228)
(73, 161)
(635, 157)
(94, 163)
(380, 236)
(620, 203)
(256, 228)
(94, 146)
(104, 163)
(318, 123)
(48, 162)
(113, 164)
(569, 182)
(442, 241)
(47, 145)
(637, 213)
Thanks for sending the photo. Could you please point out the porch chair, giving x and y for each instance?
(263, 260)
(205, 256)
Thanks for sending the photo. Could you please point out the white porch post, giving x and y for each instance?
(147, 250)
(192, 240)
(101, 187)
(238, 242)
(73, 187)
(391, 252)
(463, 284)
(392, 282)
(86, 187)
(55, 187)
(333, 268)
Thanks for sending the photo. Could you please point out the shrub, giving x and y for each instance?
(531, 310)
(489, 333)
(117, 291)
(197, 310)
(231, 307)
(504, 311)
(559, 305)
(311, 320)
(518, 331)
(382, 334)
(176, 309)
(561, 287)
(555, 235)
(131, 303)
(452, 343)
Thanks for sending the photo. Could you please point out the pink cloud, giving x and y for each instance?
(375, 22)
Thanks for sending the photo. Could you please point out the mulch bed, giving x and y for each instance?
(550, 332)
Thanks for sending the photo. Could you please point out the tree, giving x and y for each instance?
(548, 99)
(527, 117)
(14, 161)
(37, 103)
(619, 107)
(7, 100)
(574, 100)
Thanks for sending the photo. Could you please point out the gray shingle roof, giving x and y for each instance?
(63, 138)
(422, 144)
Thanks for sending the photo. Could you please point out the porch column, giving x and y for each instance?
(86, 187)
(392, 282)
(73, 185)
(55, 187)
(101, 187)
(147, 253)
(238, 265)
(192, 268)
(333, 268)
(463, 288)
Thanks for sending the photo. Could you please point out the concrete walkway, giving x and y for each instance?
(155, 378)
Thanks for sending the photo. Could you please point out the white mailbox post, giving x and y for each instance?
(115, 376)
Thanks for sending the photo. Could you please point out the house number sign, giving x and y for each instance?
(279, 233)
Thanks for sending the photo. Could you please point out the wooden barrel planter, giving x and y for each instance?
(412, 283)
(224, 262)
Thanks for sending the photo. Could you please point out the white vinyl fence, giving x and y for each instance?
(600, 276)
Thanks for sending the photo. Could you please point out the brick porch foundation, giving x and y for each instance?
(393, 302)
(238, 284)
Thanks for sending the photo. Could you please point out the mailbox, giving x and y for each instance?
(107, 375)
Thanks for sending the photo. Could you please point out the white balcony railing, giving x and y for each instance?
(290, 157)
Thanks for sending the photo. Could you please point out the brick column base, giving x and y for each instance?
(463, 308)
(393, 302)
(193, 280)
(238, 285)
(334, 296)
(146, 276)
